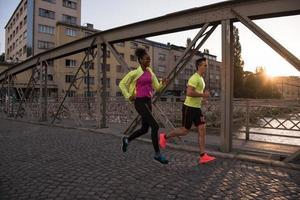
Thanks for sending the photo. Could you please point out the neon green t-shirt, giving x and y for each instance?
(198, 83)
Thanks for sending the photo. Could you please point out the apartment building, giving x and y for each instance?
(31, 28)
(165, 58)
(288, 87)
(65, 69)
(39, 25)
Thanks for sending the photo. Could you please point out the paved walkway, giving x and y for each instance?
(39, 162)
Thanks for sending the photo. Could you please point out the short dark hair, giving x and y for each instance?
(199, 61)
(139, 53)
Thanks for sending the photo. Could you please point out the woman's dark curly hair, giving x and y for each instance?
(140, 52)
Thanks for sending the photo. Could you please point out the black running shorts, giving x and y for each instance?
(191, 115)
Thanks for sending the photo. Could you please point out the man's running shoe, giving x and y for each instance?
(125, 143)
(206, 158)
(162, 159)
(162, 140)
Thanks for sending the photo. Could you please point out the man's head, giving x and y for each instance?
(201, 65)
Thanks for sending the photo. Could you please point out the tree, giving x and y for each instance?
(2, 57)
(238, 64)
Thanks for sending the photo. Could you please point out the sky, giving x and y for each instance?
(114, 13)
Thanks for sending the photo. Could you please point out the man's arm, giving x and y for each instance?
(191, 92)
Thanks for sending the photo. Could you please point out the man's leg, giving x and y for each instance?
(204, 157)
(181, 131)
(201, 138)
(178, 132)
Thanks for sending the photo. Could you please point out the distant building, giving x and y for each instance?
(40, 25)
(288, 87)
(31, 28)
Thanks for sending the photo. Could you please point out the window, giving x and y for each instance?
(21, 24)
(161, 68)
(107, 82)
(90, 79)
(108, 54)
(133, 58)
(70, 32)
(24, 49)
(119, 94)
(89, 93)
(25, 5)
(69, 78)
(161, 57)
(70, 93)
(69, 19)
(70, 63)
(50, 77)
(121, 55)
(118, 81)
(50, 1)
(25, 20)
(25, 35)
(50, 63)
(21, 11)
(107, 67)
(188, 71)
(46, 13)
(176, 58)
(133, 45)
(121, 44)
(69, 4)
(45, 45)
(120, 69)
(87, 33)
(46, 29)
(91, 65)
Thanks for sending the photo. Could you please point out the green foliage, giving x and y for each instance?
(238, 64)
(2, 57)
(248, 84)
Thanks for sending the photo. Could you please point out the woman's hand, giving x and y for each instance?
(132, 98)
(164, 81)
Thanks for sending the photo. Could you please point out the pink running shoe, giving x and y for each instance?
(206, 158)
(162, 140)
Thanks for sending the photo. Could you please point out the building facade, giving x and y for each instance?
(31, 28)
(288, 87)
(39, 25)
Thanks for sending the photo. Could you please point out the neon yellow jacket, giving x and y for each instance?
(128, 84)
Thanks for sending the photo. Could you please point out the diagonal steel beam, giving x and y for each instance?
(28, 89)
(276, 46)
(71, 84)
(117, 55)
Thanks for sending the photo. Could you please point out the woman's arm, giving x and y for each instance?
(124, 85)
